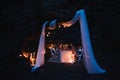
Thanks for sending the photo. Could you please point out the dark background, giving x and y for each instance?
(22, 19)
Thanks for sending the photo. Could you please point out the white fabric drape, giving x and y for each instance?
(88, 55)
(41, 49)
(73, 21)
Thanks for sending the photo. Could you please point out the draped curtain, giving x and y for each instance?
(88, 55)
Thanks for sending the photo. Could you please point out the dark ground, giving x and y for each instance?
(23, 18)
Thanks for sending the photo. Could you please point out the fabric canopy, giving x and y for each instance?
(88, 55)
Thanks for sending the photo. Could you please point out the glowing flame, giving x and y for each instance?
(32, 59)
(20, 55)
(25, 54)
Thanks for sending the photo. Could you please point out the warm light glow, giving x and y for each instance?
(59, 26)
(67, 24)
(67, 57)
(71, 61)
(25, 54)
(48, 32)
(32, 59)
(51, 46)
(20, 55)
(47, 35)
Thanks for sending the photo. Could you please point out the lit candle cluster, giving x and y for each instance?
(32, 58)
(48, 34)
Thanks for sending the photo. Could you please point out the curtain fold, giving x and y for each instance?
(41, 49)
